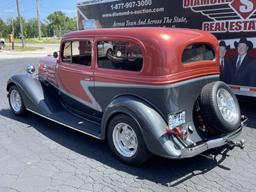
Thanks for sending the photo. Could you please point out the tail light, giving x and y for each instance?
(177, 131)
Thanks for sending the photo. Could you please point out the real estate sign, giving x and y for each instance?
(233, 22)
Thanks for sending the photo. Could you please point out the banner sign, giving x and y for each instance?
(233, 22)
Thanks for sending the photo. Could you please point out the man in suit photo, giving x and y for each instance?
(241, 70)
(224, 61)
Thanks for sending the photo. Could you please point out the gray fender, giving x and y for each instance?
(31, 91)
(151, 124)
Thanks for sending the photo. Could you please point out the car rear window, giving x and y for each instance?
(119, 55)
(197, 52)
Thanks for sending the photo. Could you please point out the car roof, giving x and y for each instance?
(136, 32)
(162, 47)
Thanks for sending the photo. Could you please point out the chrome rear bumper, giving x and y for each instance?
(214, 143)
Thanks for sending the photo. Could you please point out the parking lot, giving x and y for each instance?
(38, 155)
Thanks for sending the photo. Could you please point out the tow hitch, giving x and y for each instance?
(239, 144)
(231, 145)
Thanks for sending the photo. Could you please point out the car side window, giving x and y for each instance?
(77, 52)
(197, 52)
(119, 55)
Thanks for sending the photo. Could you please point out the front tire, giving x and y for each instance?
(16, 102)
(125, 140)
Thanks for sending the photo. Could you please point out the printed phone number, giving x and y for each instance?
(132, 4)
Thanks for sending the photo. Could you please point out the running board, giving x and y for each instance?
(74, 122)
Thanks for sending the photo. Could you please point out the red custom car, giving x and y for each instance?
(154, 91)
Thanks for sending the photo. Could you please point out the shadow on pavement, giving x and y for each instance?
(159, 170)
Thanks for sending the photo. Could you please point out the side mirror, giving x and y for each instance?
(55, 54)
(30, 69)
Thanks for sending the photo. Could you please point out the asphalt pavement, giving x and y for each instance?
(39, 155)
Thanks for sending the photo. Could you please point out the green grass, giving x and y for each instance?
(20, 48)
(43, 40)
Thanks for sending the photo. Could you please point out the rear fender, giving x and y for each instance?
(151, 124)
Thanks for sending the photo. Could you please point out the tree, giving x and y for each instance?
(56, 25)
(45, 30)
(3, 29)
(59, 23)
(72, 24)
(30, 28)
(16, 26)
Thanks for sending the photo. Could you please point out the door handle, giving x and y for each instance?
(88, 79)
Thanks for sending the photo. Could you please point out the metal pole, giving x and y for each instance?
(21, 25)
(38, 19)
(12, 27)
(77, 17)
(13, 35)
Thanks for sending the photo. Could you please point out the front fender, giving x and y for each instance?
(31, 91)
(152, 125)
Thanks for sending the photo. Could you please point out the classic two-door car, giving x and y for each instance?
(156, 91)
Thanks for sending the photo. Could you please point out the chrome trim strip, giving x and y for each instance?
(171, 85)
(244, 93)
(63, 124)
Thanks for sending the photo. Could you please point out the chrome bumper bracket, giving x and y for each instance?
(240, 144)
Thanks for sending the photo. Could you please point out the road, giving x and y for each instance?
(38, 155)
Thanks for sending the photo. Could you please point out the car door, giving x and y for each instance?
(75, 75)
(118, 70)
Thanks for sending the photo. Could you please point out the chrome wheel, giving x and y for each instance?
(15, 101)
(227, 105)
(125, 140)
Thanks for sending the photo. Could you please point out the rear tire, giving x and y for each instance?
(126, 141)
(220, 108)
(16, 102)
